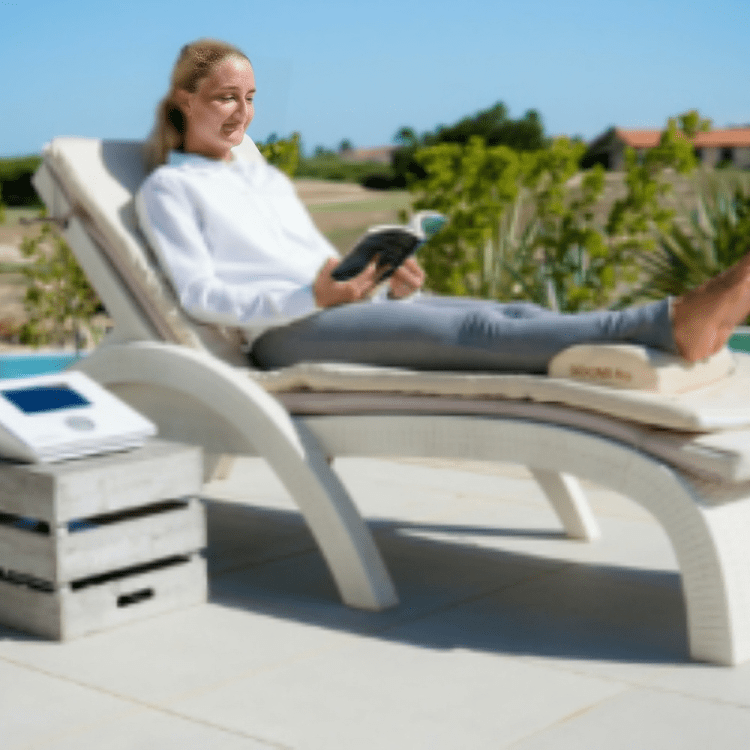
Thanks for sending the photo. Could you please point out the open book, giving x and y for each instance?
(390, 245)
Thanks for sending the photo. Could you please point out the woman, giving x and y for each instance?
(241, 250)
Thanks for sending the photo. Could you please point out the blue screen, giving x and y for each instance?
(42, 398)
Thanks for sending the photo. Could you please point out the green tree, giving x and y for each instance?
(405, 136)
(691, 123)
(492, 125)
(496, 128)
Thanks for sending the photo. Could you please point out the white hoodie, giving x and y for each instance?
(234, 239)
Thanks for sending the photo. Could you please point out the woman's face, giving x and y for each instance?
(219, 112)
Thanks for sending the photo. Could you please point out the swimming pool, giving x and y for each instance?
(35, 363)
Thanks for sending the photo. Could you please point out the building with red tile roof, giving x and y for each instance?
(712, 147)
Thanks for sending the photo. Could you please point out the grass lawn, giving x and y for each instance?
(343, 222)
(394, 200)
(12, 231)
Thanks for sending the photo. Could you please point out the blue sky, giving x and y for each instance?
(333, 70)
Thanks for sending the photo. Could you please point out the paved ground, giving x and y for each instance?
(507, 636)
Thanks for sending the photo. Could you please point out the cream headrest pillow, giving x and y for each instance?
(639, 368)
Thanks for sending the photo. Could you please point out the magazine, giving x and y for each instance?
(390, 245)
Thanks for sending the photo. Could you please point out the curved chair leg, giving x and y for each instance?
(709, 527)
(566, 496)
(257, 424)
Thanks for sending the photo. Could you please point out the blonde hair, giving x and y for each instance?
(195, 61)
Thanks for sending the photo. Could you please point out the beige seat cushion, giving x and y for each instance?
(720, 405)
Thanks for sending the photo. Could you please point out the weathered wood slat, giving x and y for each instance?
(131, 512)
(68, 613)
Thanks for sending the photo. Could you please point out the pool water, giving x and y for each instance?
(37, 363)
(740, 341)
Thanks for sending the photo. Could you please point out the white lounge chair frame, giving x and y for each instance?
(194, 396)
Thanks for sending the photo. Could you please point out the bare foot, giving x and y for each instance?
(704, 318)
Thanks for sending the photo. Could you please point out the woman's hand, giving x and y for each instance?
(329, 292)
(406, 279)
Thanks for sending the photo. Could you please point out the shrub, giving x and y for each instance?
(713, 237)
(59, 300)
(521, 226)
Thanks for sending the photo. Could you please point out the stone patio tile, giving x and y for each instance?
(148, 729)
(380, 489)
(586, 623)
(723, 684)
(241, 535)
(428, 574)
(515, 483)
(252, 520)
(650, 719)
(537, 532)
(376, 694)
(508, 634)
(36, 707)
(164, 656)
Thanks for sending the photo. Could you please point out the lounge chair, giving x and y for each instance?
(684, 457)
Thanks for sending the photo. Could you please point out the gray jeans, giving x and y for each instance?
(455, 333)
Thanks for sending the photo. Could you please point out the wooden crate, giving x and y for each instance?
(96, 542)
